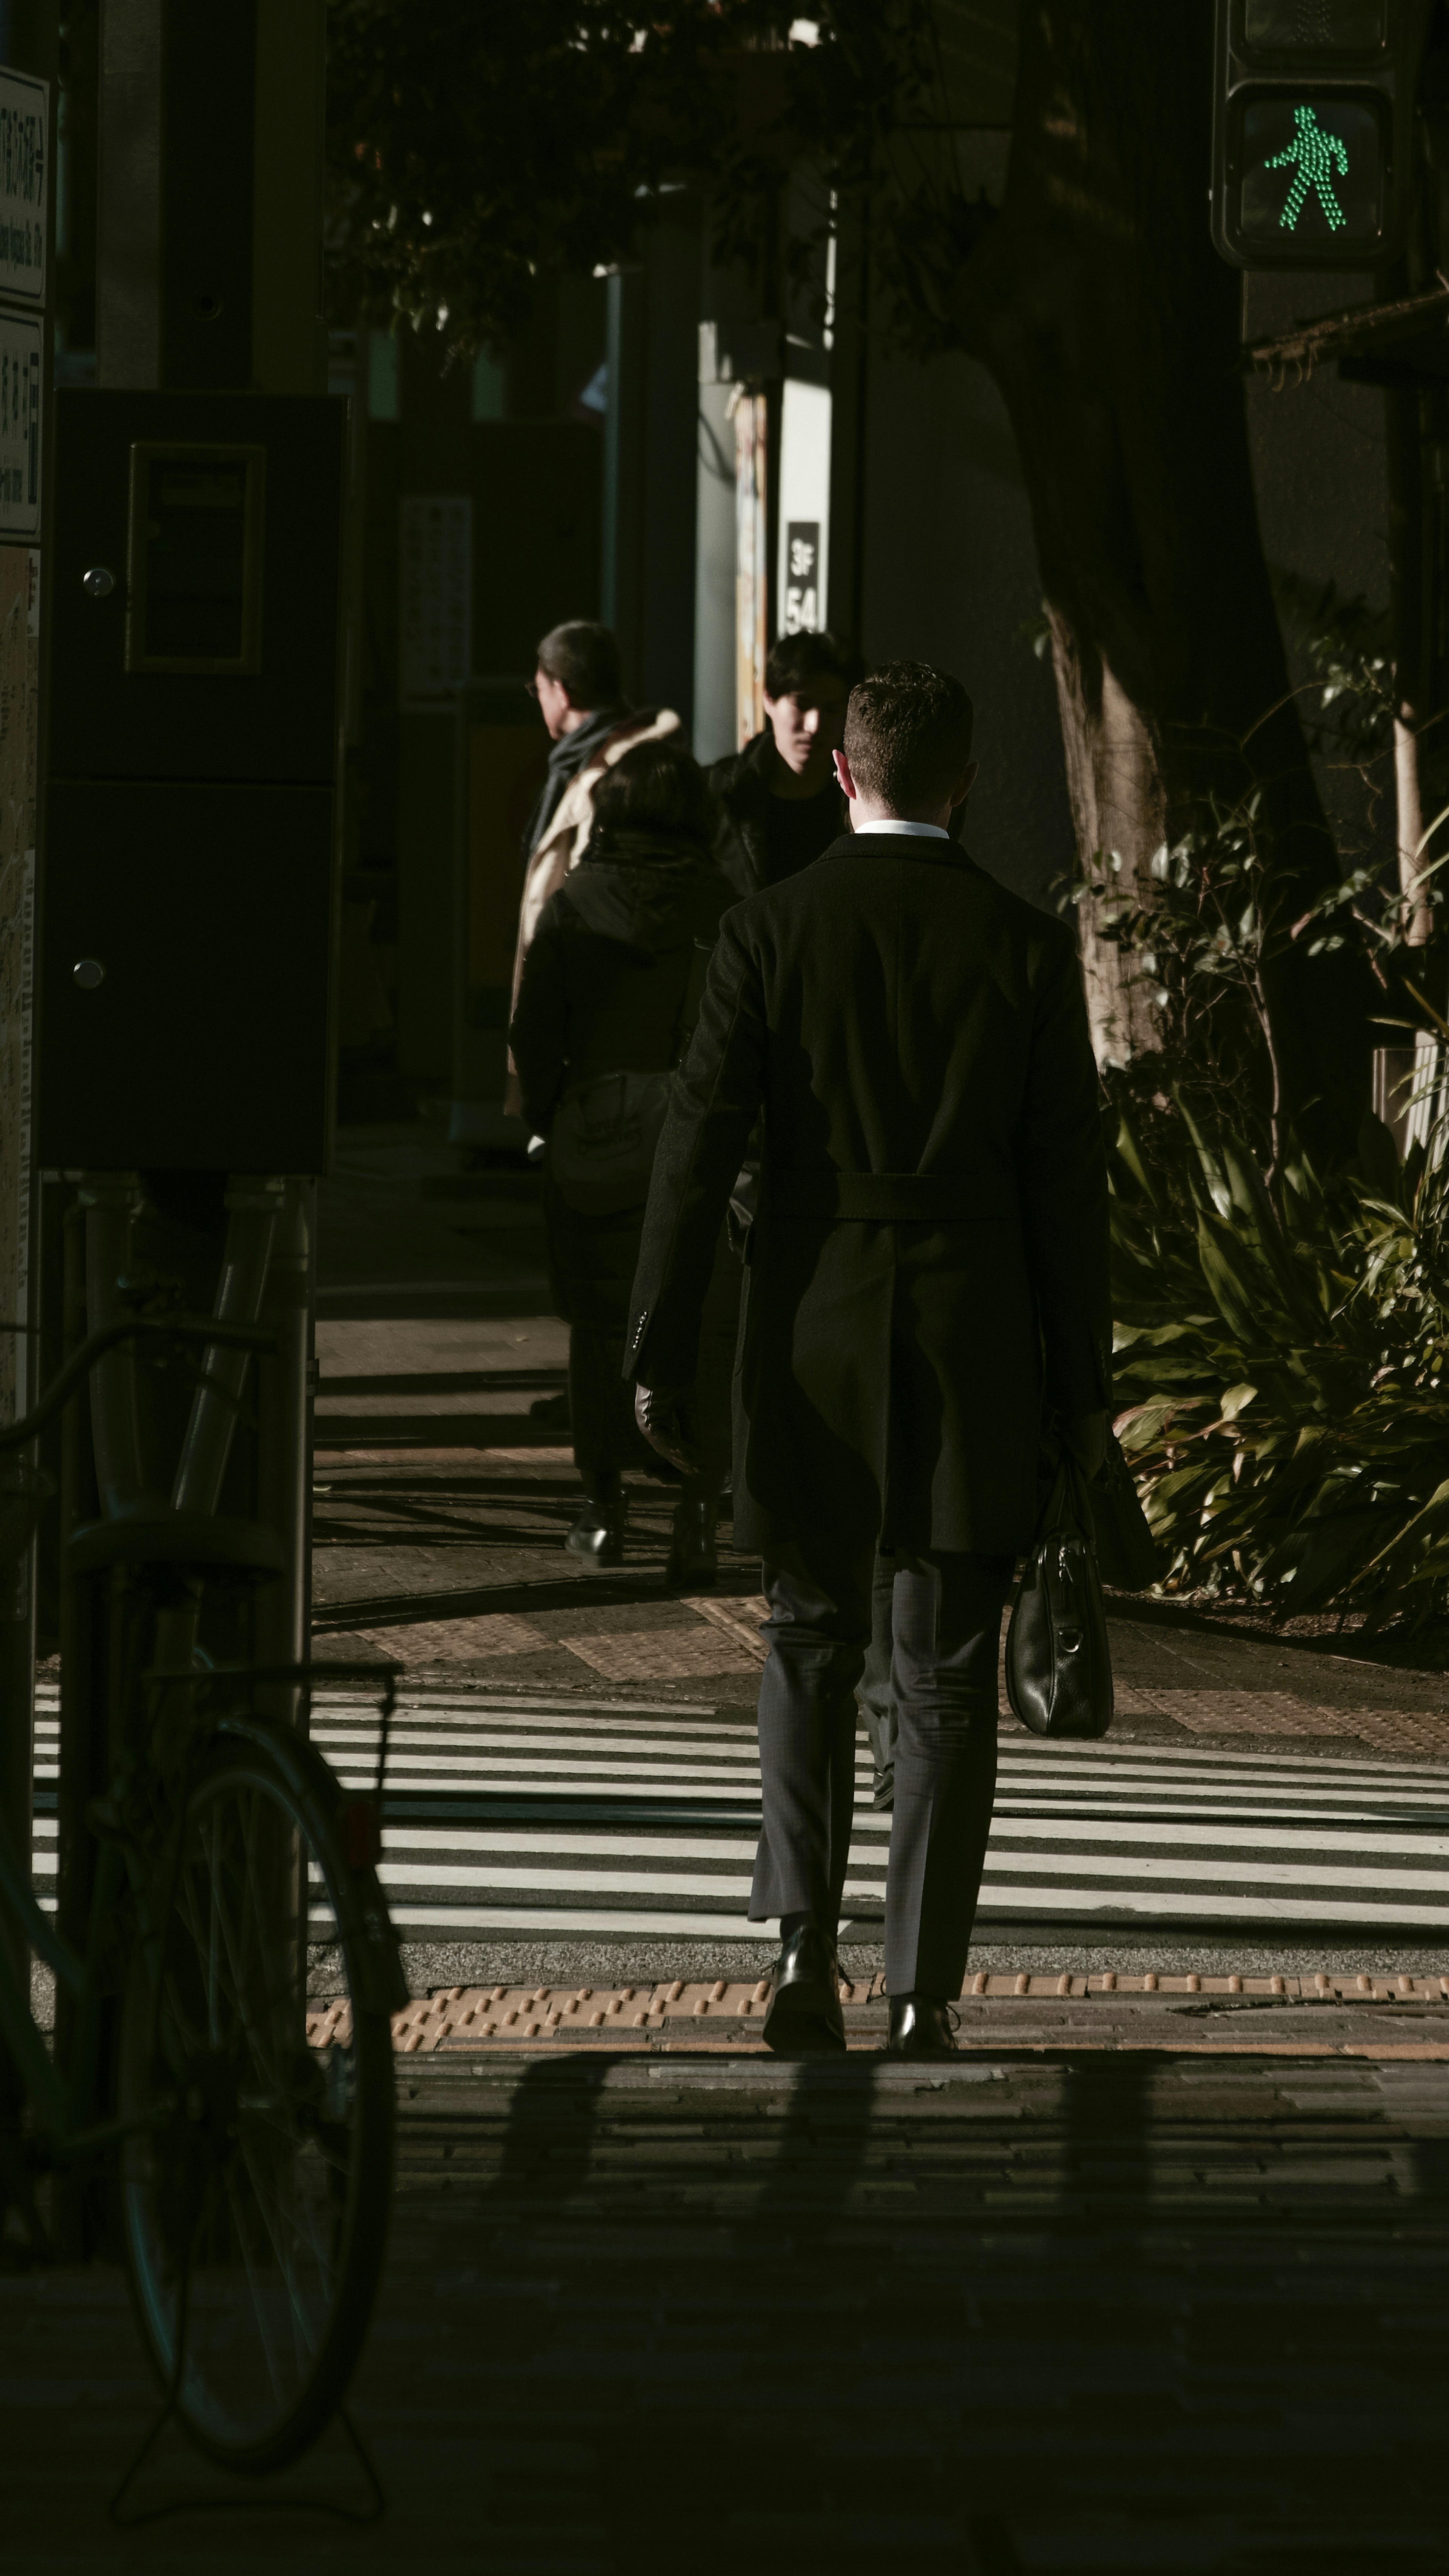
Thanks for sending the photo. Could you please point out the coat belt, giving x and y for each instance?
(890, 1198)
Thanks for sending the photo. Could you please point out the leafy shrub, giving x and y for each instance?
(1283, 1368)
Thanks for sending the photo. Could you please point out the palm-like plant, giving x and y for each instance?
(1284, 1371)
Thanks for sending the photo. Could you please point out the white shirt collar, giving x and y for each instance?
(921, 831)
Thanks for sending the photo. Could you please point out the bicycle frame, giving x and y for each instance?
(61, 2102)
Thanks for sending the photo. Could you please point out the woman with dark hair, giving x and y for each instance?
(608, 999)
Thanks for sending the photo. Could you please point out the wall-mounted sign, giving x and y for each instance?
(800, 594)
(19, 425)
(23, 111)
(435, 570)
(800, 603)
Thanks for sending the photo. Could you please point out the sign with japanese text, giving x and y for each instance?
(23, 110)
(800, 605)
(20, 370)
(801, 571)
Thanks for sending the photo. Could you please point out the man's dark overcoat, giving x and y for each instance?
(930, 1258)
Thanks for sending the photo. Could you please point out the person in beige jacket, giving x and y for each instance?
(580, 696)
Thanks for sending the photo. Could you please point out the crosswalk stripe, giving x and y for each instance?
(508, 1812)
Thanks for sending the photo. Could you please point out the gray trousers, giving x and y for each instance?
(945, 1630)
(873, 1690)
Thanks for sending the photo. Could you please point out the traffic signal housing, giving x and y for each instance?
(1313, 130)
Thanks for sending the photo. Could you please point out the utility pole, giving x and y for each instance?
(28, 54)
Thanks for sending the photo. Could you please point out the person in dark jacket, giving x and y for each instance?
(610, 986)
(928, 1269)
(779, 801)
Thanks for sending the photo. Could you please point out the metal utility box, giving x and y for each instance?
(187, 940)
(187, 894)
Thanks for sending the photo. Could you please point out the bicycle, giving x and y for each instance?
(235, 1885)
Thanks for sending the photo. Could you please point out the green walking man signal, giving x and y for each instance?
(1318, 155)
(1314, 150)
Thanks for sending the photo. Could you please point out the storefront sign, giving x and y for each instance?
(804, 508)
(23, 107)
(800, 596)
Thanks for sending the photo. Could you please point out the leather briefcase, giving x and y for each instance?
(1058, 1668)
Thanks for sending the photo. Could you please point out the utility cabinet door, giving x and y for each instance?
(195, 595)
(185, 944)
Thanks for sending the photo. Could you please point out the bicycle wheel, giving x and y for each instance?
(256, 2195)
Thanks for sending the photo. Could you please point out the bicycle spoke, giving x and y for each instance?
(286, 2260)
(259, 2303)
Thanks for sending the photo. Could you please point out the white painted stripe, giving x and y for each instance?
(489, 1784)
(1296, 1792)
(1265, 1873)
(453, 1874)
(1021, 1900)
(1039, 1773)
(1148, 1903)
(1312, 1837)
(521, 1740)
(491, 1918)
(585, 1882)
(605, 1846)
(1080, 1858)
(507, 1703)
(1214, 1763)
(1370, 1810)
(411, 1745)
(405, 1764)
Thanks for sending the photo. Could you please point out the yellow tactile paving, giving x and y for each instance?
(468, 2016)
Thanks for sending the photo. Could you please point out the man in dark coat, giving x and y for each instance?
(927, 1270)
(778, 800)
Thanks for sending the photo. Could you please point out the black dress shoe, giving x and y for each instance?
(921, 2027)
(598, 1534)
(804, 2015)
(693, 1555)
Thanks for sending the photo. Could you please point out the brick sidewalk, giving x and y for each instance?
(1124, 2314)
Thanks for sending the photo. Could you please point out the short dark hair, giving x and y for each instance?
(908, 734)
(655, 787)
(584, 659)
(794, 660)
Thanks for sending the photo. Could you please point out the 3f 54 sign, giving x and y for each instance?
(1313, 130)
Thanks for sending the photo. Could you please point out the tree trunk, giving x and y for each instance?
(1116, 793)
(1114, 333)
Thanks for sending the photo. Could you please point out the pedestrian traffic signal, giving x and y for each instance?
(1312, 130)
